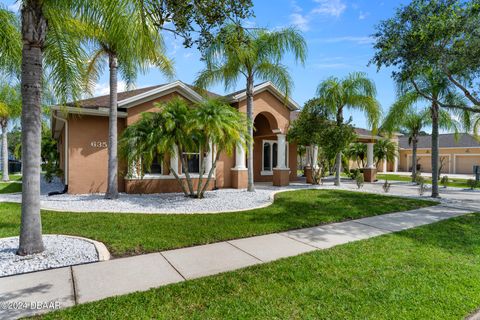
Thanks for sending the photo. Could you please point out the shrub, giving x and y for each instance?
(444, 181)
(386, 186)
(359, 180)
(421, 185)
(354, 173)
(472, 183)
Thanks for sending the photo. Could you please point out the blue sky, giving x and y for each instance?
(338, 37)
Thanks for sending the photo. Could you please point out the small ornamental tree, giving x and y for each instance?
(211, 126)
(313, 128)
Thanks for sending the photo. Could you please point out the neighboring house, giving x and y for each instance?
(458, 156)
(82, 131)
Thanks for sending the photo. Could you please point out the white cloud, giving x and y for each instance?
(357, 40)
(363, 15)
(299, 21)
(102, 89)
(330, 65)
(333, 8)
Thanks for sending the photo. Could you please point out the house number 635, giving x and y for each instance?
(98, 144)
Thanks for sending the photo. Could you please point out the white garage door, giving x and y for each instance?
(464, 164)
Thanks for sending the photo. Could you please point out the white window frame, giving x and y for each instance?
(271, 142)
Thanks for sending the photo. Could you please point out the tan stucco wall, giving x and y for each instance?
(459, 160)
(88, 165)
(265, 102)
(149, 186)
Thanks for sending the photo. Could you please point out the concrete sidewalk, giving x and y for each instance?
(44, 291)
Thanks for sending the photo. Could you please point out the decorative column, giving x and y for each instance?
(313, 163)
(370, 155)
(240, 157)
(209, 159)
(370, 172)
(315, 156)
(308, 156)
(281, 174)
(281, 151)
(239, 173)
(174, 160)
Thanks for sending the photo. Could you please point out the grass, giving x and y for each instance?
(10, 187)
(431, 272)
(459, 183)
(129, 234)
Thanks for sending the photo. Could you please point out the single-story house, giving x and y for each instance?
(81, 129)
(457, 155)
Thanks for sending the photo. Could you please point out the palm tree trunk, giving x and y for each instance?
(5, 177)
(112, 187)
(414, 159)
(210, 174)
(338, 161)
(250, 185)
(435, 150)
(34, 27)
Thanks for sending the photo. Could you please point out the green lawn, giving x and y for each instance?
(10, 187)
(459, 183)
(127, 234)
(431, 272)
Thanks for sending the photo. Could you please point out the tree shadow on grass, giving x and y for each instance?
(460, 235)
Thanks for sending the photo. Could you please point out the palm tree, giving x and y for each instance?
(356, 92)
(434, 88)
(212, 127)
(10, 108)
(222, 127)
(255, 55)
(58, 52)
(358, 152)
(10, 42)
(384, 150)
(131, 43)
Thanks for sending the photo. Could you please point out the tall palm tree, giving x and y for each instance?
(355, 92)
(131, 43)
(255, 55)
(10, 42)
(46, 42)
(10, 108)
(433, 88)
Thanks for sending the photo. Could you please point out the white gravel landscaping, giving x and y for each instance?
(60, 251)
(223, 200)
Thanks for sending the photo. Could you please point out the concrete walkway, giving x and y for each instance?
(44, 291)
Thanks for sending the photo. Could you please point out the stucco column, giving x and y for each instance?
(308, 163)
(315, 156)
(133, 169)
(174, 160)
(281, 151)
(370, 163)
(208, 158)
(240, 157)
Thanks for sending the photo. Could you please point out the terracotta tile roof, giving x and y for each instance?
(445, 141)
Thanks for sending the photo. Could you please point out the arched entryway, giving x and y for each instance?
(270, 149)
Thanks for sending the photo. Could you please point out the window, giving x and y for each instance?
(156, 167)
(270, 156)
(193, 162)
